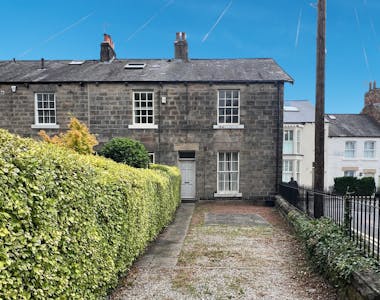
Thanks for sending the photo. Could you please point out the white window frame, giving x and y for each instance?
(347, 173)
(298, 141)
(348, 150)
(226, 192)
(232, 124)
(140, 125)
(369, 153)
(287, 134)
(43, 124)
(287, 169)
(298, 170)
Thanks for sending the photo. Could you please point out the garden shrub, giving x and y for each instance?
(127, 151)
(341, 184)
(77, 138)
(363, 187)
(70, 224)
(330, 250)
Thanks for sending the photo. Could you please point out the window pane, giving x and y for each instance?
(39, 97)
(137, 96)
(150, 96)
(236, 94)
(143, 96)
(150, 120)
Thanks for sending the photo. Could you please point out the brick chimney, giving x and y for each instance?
(107, 49)
(372, 102)
(180, 47)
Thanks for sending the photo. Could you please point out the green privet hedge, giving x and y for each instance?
(127, 151)
(363, 187)
(71, 224)
(331, 252)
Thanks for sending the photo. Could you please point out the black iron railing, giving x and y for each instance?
(359, 216)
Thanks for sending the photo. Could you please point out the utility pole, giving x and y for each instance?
(319, 169)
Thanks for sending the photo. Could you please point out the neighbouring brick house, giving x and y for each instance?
(219, 120)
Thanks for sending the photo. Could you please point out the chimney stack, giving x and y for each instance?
(372, 102)
(181, 47)
(107, 49)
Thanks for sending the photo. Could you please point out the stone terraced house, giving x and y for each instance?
(218, 120)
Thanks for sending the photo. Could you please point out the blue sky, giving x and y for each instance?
(280, 29)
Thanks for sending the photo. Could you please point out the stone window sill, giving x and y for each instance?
(45, 126)
(228, 126)
(227, 195)
(143, 126)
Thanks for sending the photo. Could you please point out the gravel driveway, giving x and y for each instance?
(231, 251)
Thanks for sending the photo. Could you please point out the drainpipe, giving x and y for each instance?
(159, 124)
(278, 136)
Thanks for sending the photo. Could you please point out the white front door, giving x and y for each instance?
(187, 168)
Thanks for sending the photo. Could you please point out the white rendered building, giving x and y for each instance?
(353, 147)
(298, 142)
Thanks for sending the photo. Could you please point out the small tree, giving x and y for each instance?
(128, 151)
(77, 138)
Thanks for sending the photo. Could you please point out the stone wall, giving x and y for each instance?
(185, 122)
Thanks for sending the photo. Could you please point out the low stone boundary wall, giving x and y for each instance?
(364, 285)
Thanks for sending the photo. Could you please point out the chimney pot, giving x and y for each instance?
(374, 84)
(42, 63)
(370, 85)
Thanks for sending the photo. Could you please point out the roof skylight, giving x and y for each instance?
(291, 108)
(76, 62)
(135, 66)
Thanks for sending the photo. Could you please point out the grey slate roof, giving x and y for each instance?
(156, 70)
(353, 125)
(305, 113)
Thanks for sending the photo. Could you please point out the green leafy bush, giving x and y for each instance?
(363, 187)
(330, 250)
(341, 184)
(127, 151)
(70, 224)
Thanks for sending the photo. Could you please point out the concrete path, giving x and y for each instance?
(166, 249)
